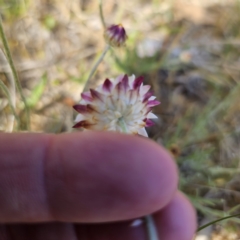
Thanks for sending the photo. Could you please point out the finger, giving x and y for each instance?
(47, 231)
(177, 220)
(82, 177)
(110, 231)
(63, 231)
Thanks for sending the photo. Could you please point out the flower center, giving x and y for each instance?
(123, 125)
(117, 114)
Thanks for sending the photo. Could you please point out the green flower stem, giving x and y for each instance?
(89, 82)
(8, 95)
(123, 125)
(101, 14)
(15, 75)
(151, 228)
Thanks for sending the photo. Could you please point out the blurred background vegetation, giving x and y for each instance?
(188, 50)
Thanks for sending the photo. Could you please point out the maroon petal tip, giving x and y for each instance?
(149, 123)
(86, 96)
(137, 82)
(125, 82)
(82, 124)
(147, 96)
(80, 108)
(95, 94)
(153, 103)
(77, 125)
(107, 85)
(119, 87)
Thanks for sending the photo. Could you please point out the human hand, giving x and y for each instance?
(88, 186)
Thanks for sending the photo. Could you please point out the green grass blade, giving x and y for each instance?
(15, 75)
(37, 92)
(215, 221)
(8, 95)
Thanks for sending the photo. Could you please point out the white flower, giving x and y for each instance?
(123, 104)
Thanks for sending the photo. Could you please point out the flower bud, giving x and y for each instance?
(115, 35)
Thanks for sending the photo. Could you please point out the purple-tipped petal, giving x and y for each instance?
(83, 124)
(149, 123)
(95, 94)
(119, 78)
(83, 109)
(137, 82)
(91, 108)
(119, 88)
(107, 85)
(149, 109)
(145, 89)
(125, 82)
(147, 96)
(80, 108)
(87, 96)
(153, 103)
(132, 96)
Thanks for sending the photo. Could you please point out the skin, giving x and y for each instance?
(89, 186)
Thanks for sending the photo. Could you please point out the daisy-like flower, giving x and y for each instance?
(115, 35)
(123, 104)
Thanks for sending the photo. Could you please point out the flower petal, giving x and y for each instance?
(131, 80)
(149, 123)
(83, 109)
(83, 124)
(143, 132)
(147, 96)
(96, 95)
(125, 83)
(119, 88)
(87, 96)
(80, 108)
(153, 103)
(144, 89)
(133, 95)
(152, 116)
(117, 79)
(79, 118)
(137, 82)
(152, 98)
(107, 85)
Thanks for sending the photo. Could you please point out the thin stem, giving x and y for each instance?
(123, 125)
(12, 89)
(88, 82)
(15, 75)
(218, 220)
(151, 228)
(101, 14)
(8, 95)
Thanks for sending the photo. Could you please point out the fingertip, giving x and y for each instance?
(109, 176)
(177, 220)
